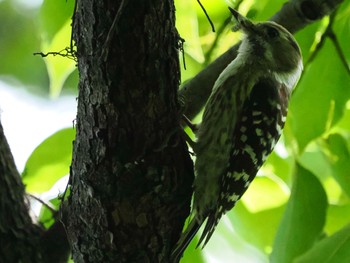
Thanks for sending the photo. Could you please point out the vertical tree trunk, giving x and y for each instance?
(19, 237)
(131, 168)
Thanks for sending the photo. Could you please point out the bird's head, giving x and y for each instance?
(270, 45)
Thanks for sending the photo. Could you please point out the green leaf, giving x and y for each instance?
(226, 244)
(19, 39)
(307, 38)
(55, 20)
(280, 166)
(342, 29)
(53, 16)
(343, 126)
(46, 216)
(263, 202)
(192, 254)
(319, 100)
(338, 216)
(333, 249)
(266, 9)
(59, 68)
(248, 225)
(314, 159)
(303, 220)
(256, 198)
(49, 161)
(339, 158)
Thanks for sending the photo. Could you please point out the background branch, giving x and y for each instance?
(340, 52)
(293, 15)
(18, 235)
(22, 239)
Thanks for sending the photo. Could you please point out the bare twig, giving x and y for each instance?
(67, 53)
(340, 52)
(316, 50)
(206, 14)
(182, 50)
(332, 36)
(220, 31)
(47, 205)
(329, 33)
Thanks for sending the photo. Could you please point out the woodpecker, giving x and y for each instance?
(242, 121)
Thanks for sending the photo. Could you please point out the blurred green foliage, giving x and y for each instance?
(297, 209)
(26, 29)
(49, 162)
(299, 203)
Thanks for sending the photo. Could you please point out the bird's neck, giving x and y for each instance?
(248, 65)
(289, 79)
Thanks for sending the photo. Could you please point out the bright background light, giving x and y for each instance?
(28, 119)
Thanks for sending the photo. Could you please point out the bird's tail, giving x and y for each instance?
(185, 240)
(208, 230)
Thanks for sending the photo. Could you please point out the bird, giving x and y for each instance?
(242, 122)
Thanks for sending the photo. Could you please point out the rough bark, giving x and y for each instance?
(21, 239)
(131, 173)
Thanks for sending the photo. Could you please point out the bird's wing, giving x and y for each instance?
(214, 141)
(213, 147)
(220, 118)
(257, 127)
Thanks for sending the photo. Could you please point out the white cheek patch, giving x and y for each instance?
(290, 79)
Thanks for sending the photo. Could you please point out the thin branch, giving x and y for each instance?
(316, 50)
(329, 33)
(340, 52)
(182, 50)
(206, 14)
(47, 205)
(219, 33)
(66, 52)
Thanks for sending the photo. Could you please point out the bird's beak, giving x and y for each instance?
(242, 22)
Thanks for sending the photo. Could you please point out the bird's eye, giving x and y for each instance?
(272, 32)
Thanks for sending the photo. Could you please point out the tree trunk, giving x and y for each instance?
(19, 237)
(131, 173)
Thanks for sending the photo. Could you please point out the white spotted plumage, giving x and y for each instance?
(241, 123)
